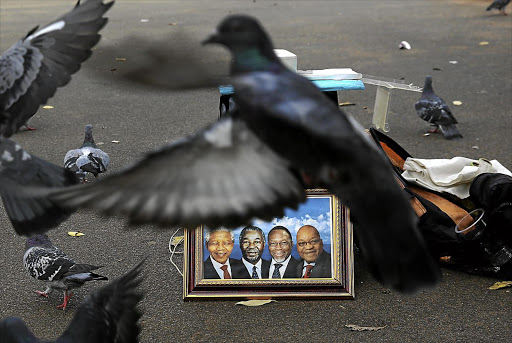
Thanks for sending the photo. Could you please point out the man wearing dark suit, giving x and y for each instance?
(218, 265)
(315, 261)
(252, 243)
(238, 270)
(280, 244)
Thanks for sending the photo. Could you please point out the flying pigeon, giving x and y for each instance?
(285, 135)
(30, 72)
(499, 5)
(434, 110)
(87, 159)
(47, 263)
(107, 315)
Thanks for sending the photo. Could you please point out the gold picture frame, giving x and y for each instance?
(322, 209)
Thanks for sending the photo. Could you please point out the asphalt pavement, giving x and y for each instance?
(362, 35)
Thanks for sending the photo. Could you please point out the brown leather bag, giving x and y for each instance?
(439, 214)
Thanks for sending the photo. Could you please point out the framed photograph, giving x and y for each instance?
(306, 253)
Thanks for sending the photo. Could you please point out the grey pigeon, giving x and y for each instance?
(435, 111)
(107, 315)
(285, 135)
(87, 159)
(47, 263)
(499, 5)
(30, 72)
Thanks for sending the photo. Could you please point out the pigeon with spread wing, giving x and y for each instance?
(30, 72)
(284, 135)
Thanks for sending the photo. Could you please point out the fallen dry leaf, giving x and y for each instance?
(483, 43)
(47, 107)
(457, 102)
(501, 284)
(354, 327)
(173, 24)
(445, 259)
(255, 302)
(120, 59)
(75, 233)
(346, 103)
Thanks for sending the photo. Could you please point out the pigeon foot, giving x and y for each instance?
(30, 128)
(43, 294)
(66, 299)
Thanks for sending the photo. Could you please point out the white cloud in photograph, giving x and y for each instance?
(322, 222)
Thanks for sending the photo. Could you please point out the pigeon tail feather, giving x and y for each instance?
(385, 227)
(450, 131)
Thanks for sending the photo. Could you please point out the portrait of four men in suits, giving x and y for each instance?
(314, 261)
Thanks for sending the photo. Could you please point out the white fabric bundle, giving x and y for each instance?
(452, 176)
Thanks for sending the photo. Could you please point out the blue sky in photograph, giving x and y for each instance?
(315, 212)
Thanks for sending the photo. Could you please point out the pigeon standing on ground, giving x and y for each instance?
(30, 72)
(434, 110)
(499, 5)
(249, 164)
(87, 159)
(47, 263)
(107, 315)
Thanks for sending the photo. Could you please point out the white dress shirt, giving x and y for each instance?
(281, 269)
(249, 266)
(217, 266)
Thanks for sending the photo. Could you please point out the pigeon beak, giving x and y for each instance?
(214, 38)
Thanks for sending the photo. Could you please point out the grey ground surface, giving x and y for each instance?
(363, 35)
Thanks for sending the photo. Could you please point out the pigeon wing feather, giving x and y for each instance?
(109, 314)
(14, 330)
(29, 213)
(34, 67)
(221, 176)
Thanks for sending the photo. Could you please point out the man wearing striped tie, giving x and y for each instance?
(252, 244)
(280, 245)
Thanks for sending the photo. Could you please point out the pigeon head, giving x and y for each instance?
(428, 85)
(250, 45)
(88, 140)
(38, 241)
